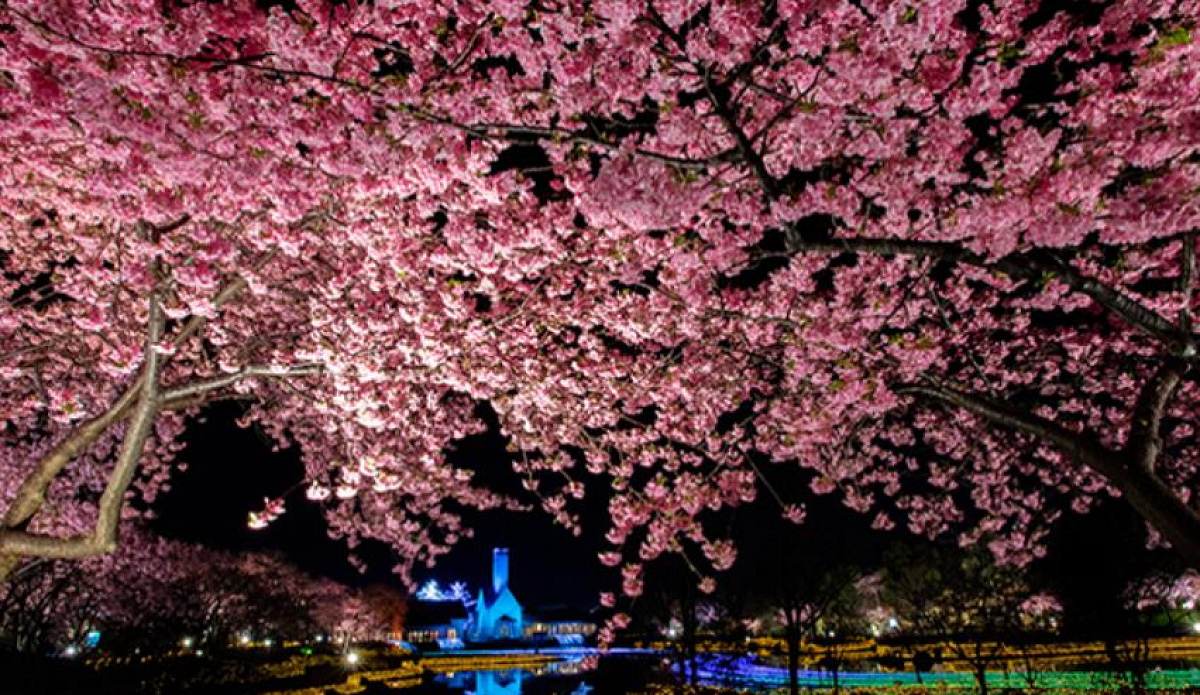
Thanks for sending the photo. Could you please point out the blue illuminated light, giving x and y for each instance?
(432, 591)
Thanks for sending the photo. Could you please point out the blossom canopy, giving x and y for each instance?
(939, 254)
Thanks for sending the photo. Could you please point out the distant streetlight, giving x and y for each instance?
(352, 658)
(186, 642)
(1196, 627)
(71, 650)
(268, 642)
(244, 638)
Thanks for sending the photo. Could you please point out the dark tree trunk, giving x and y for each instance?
(981, 677)
(792, 637)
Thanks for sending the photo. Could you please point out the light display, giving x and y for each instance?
(432, 591)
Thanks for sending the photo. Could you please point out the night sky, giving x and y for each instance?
(231, 470)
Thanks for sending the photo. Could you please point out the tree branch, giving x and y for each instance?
(32, 492)
(207, 386)
(104, 535)
(1187, 279)
(139, 430)
(1149, 496)
(491, 131)
(1079, 445)
(1024, 266)
(744, 146)
(1144, 442)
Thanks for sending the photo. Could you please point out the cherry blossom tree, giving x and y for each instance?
(153, 593)
(1168, 599)
(941, 255)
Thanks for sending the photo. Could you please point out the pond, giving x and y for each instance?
(585, 674)
(578, 673)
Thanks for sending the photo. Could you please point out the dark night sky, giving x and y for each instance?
(231, 470)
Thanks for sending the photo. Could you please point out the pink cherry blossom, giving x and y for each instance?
(940, 257)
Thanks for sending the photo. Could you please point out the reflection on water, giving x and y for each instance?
(572, 676)
(632, 673)
(486, 682)
(511, 682)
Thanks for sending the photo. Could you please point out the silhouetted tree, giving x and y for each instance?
(962, 598)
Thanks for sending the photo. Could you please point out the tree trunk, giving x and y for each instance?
(981, 677)
(1130, 471)
(793, 660)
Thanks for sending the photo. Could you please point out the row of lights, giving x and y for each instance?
(352, 658)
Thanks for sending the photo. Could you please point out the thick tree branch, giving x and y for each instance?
(1149, 496)
(32, 492)
(1026, 266)
(103, 538)
(1187, 280)
(745, 147)
(137, 433)
(1082, 446)
(15, 541)
(205, 387)
(18, 544)
(1145, 441)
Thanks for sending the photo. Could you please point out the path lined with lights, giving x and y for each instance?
(744, 672)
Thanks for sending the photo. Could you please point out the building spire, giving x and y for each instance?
(499, 570)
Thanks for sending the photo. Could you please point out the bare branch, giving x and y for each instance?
(17, 544)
